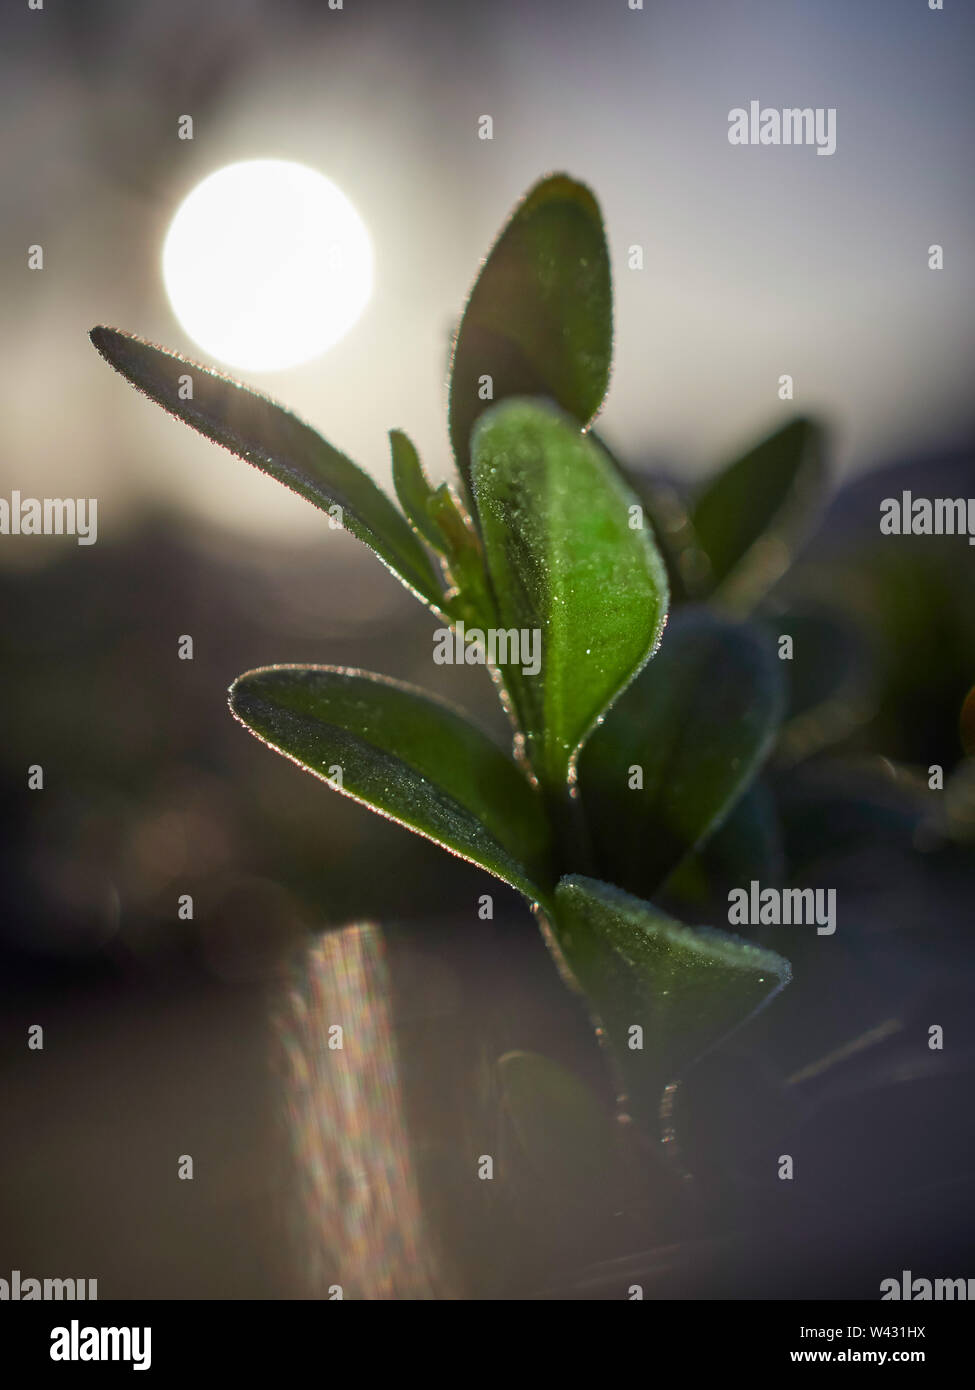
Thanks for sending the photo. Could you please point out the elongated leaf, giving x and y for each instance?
(772, 488)
(464, 558)
(564, 563)
(687, 988)
(679, 747)
(410, 757)
(412, 487)
(277, 442)
(539, 320)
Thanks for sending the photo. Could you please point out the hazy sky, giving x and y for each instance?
(758, 260)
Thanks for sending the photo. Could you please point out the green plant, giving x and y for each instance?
(623, 767)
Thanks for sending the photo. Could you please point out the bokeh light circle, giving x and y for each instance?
(267, 264)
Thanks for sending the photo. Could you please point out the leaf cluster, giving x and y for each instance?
(636, 740)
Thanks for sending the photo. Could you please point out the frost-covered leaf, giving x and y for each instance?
(275, 441)
(567, 569)
(684, 988)
(412, 487)
(407, 755)
(539, 320)
(679, 746)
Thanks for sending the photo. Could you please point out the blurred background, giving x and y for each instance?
(165, 1036)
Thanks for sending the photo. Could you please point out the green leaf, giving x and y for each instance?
(688, 988)
(564, 1135)
(746, 845)
(464, 557)
(277, 442)
(832, 680)
(687, 565)
(412, 488)
(766, 495)
(410, 757)
(697, 723)
(564, 563)
(539, 320)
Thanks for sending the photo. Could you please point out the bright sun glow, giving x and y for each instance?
(267, 264)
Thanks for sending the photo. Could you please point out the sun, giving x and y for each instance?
(267, 264)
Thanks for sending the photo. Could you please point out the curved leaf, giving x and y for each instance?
(832, 680)
(275, 441)
(564, 563)
(696, 724)
(539, 320)
(746, 845)
(412, 487)
(770, 488)
(408, 756)
(463, 560)
(687, 988)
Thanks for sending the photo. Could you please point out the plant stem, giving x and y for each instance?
(571, 831)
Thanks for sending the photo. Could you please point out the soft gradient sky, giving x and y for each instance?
(759, 261)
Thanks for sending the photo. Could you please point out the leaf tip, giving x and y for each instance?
(101, 338)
